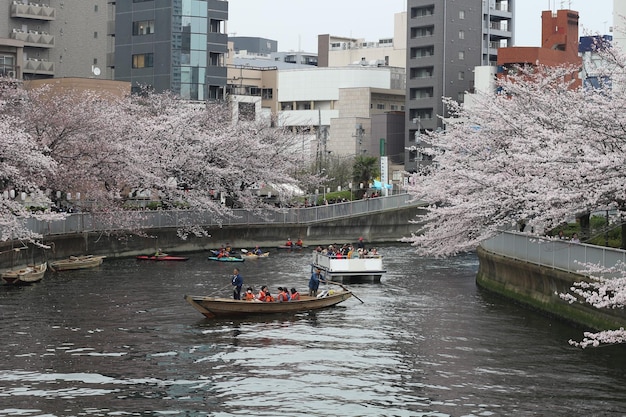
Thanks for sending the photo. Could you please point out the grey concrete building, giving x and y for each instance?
(175, 45)
(55, 38)
(446, 40)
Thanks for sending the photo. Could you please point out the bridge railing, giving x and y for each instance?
(558, 254)
(149, 219)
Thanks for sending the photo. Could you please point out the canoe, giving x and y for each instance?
(226, 259)
(212, 307)
(161, 258)
(251, 255)
(76, 262)
(292, 247)
(26, 275)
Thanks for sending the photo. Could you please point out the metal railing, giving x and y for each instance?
(150, 219)
(557, 254)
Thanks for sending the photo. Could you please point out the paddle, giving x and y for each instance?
(244, 250)
(345, 288)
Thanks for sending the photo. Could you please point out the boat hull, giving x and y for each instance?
(161, 258)
(76, 262)
(212, 307)
(226, 259)
(27, 275)
(253, 256)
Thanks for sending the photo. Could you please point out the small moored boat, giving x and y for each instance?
(26, 275)
(161, 258)
(76, 262)
(212, 307)
(226, 259)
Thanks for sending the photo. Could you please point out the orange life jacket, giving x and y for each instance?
(261, 296)
(282, 297)
(269, 299)
(295, 296)
(249, 296)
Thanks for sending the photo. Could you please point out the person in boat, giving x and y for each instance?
(222, 253)
(257, 251)
(261, 295)
(314, 282)
(237, 281)
(295, 295)
(269, 298)
(299, 242)
(159, 252)
(228, 249)
(289, 243)
(283, 294)
(360, 244)
(249, 295)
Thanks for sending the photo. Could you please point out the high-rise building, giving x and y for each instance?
(172, 45)
(55, 38)
(446, 40)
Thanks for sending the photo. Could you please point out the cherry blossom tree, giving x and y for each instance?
(538, 152)
(24, 168)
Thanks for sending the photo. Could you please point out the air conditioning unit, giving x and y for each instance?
(11, 74)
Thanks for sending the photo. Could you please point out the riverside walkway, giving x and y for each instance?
(153, 219)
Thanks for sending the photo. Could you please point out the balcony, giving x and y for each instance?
(33, 38)
(38, 66)
(33, 11)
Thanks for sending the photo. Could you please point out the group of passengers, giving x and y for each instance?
(265, 296)
(224, 251)
(349, 251)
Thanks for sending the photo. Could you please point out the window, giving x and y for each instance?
(95, 8)
(461, 14)
(267, 93)
(422, 11)
(143, 27)
(394, 107)
(461, 34)
(423, 51)
(143, 61)
(460, 97)
(95, 35)
(423, 31)
(380, 106)
(461, 75)
(421, 72)
(461, 55)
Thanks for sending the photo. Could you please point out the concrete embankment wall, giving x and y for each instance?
(539, 287)
(375, 228)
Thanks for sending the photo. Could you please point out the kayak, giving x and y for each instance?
(161, 258)
(226, 259)
(292, 247)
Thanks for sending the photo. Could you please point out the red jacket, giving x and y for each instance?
(295, 296)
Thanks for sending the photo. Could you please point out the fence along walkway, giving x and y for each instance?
(150, 219)
(550, 253)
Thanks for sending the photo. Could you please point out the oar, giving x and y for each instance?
(219, 290)
(244, 250)
(346, 288)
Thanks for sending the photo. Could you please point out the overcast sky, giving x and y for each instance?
(295, 24)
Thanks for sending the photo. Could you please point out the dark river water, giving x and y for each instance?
(120, 340)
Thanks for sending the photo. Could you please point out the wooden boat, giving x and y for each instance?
(353, 270)
(161, 258)
(76, 262)
(212, 307)
(27, 275)
(226, 259)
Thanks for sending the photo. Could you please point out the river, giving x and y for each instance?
(120, 340)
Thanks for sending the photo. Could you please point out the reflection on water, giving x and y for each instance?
(120, 340)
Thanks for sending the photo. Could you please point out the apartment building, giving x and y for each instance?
(341, 51)
(55, 38)
(446, 40)
(177, 46)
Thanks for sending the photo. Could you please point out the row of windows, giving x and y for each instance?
(143, 27)
(426, 51)
(429, 10)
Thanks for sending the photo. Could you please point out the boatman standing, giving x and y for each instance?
(237, 281)
(314, 282)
